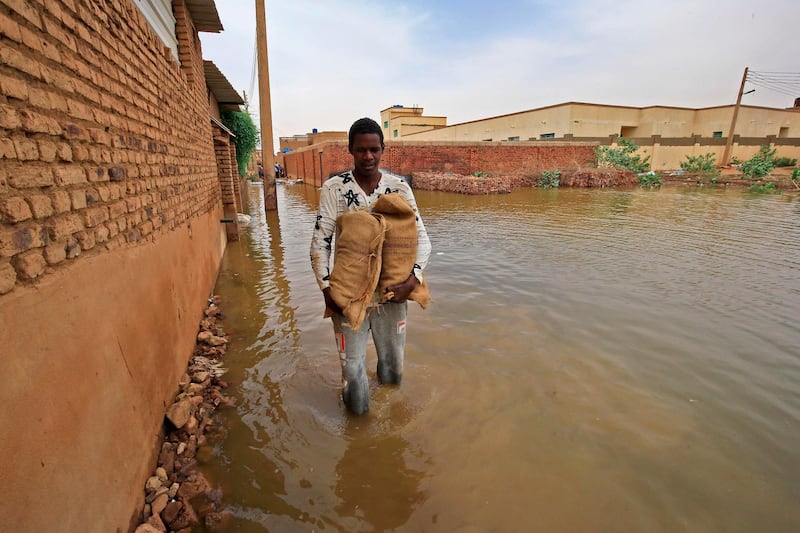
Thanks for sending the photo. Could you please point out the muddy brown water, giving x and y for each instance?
(604, 360)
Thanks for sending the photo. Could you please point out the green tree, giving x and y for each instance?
(241, 125)
(624, 156)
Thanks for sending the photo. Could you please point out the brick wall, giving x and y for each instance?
(511, 159)
(110, 243)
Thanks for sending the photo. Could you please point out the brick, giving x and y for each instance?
(8, 278)
(118, 209)
(30, 265)
(24, 8)
(26, 149)
(92, 196)
(64, 152)
(7, 150)
(133, 235)
(116, 173)
(21, 62)
(27, 176)
(101, 234)
(63, 226)
(95, 216)
(9, 118)
(70, 175)
(14, 88)
(86, 240)
(47, 150)
(51, 52)
(75, 132)
(31, 40)
(58, 103)
(78, 110)
(10, 28)
(80, 152)
(15, 209)
(55, 253)
(39, 97)
(14, 240)
(61, 201)
(113, 230)
(37, 123)
(41, 206)
(77, 199)
(98, 175)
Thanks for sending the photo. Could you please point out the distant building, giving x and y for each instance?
(295, 142)
(398, 121)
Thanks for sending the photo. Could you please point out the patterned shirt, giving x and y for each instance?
(342, 193)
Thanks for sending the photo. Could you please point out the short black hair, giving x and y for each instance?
(363, 125)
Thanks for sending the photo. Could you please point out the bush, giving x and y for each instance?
(784, 162)
(241, 125)
(651, 179)
(702, 165)
(480, 174)
(549, 179)
(764, 187)
(760, 164)
(622, 157)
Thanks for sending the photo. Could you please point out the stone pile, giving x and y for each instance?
(177, 495)
(449, 182)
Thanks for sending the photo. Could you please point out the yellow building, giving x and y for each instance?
(398, 121)
(296, 142)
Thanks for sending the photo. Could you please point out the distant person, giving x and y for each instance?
(386, 313)
(260, 171)
(277, 171)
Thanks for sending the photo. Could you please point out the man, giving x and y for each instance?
(360, 188)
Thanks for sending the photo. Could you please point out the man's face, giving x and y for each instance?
(367, 152)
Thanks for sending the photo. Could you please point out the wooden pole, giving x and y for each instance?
(727, 154)
(265, 110)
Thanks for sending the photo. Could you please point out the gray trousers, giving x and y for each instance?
(388, 325)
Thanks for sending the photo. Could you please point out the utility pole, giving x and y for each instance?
(265, 110)
(727, 153)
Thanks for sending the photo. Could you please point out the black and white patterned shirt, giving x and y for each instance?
(341, 194)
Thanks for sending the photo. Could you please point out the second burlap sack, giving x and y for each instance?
(399, 246)
(357, 263)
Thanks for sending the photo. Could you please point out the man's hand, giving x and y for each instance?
(330, 306)
(400, 292)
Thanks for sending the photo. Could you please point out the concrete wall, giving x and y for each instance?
(110, 243)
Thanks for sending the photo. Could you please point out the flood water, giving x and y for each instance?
(593, 360)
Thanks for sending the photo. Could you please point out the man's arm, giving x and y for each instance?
(322, 243)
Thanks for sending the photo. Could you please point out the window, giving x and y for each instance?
(158, 14)
(783, 133)
(513, 138)
(717, 135)
(386, 124)
(486, 140)
(394, 133)
(547, 136)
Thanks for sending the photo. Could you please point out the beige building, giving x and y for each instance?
(666, 134)
(398, 121)
(295, 142)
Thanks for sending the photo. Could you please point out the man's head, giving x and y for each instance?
(363, 125)
(365, 143)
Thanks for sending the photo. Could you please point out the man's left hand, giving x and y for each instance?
(401, 291)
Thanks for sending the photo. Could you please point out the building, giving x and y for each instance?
(399, 121)
(295, 142)
(115, 180)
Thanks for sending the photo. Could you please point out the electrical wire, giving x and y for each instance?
(787, 83)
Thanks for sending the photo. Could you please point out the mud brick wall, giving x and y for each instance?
(94, 155)
(405, 158)
(110, 242)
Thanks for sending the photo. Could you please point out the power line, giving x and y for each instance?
(782, 82)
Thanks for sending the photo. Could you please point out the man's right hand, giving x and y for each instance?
(330, 306)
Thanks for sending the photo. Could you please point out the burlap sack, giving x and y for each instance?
(399, 247)
(357, 263)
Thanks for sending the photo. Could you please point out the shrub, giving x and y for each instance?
(241, 125)
(549, 179)
(764, 187)
(479, 174)
(651, 179)
(624, 156)
(796, 174)
(702, 165)
(760, 164)
(784, 162)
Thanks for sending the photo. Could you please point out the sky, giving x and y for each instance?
(334, 61)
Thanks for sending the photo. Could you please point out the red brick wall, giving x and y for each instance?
(510, 159)
(110, 243)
